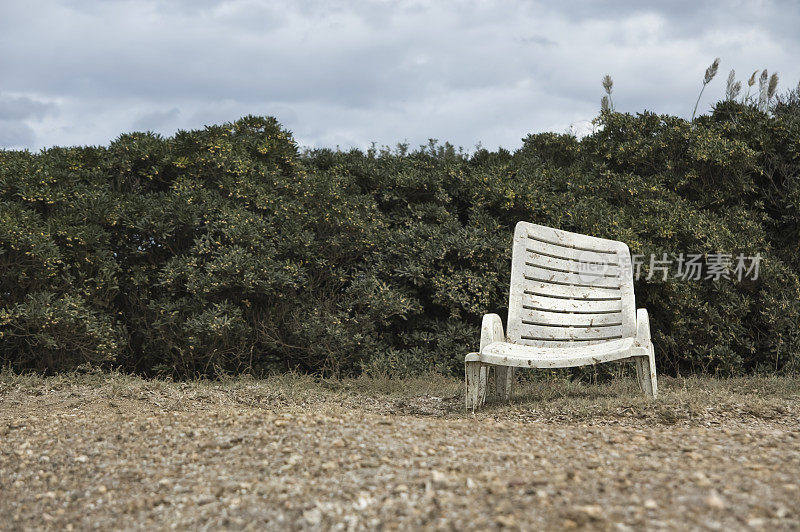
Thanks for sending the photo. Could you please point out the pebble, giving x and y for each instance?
(715, 501)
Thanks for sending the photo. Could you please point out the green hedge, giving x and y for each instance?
(226, 250)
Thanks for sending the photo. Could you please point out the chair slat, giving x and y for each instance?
(562, 319)
(559, 291)
(569, 239)
(570, 266)
(530, 302)
(532, 245)
(585, 279)
(546, 332)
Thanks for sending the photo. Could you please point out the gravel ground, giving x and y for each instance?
(109, 451)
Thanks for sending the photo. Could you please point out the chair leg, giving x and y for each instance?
(483, 384)
(503, 381)
(475, 376)
(651, 359)
(646, 372)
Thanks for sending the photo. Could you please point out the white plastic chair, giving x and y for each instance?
(570, 304)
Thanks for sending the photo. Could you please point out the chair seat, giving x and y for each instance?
(518, 355)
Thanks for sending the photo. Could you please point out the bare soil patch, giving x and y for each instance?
(112, 451)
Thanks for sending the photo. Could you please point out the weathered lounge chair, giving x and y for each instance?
(570, 304)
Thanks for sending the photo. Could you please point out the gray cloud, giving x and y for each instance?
(348, 73)
(22, 107)
(537, 39)
(16, 134)
(156, 120)
(16, 115)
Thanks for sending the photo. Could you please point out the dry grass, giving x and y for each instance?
(690, 399)
(109, 450)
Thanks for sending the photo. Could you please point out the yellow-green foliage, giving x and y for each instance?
(226, 250)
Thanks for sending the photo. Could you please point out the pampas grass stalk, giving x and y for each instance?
(711, 71)
(750, 83)
(607, 103)
(762, 90)
(773, 86)
(733, 87)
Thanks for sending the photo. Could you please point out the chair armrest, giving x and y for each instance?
(642, 327)
(491, 330)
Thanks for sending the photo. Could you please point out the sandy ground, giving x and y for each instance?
(116, 452)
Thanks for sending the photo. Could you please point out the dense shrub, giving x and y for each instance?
(227, 250)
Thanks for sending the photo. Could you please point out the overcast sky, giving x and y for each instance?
(351, 73)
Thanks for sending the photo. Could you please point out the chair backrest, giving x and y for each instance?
(569, 289)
